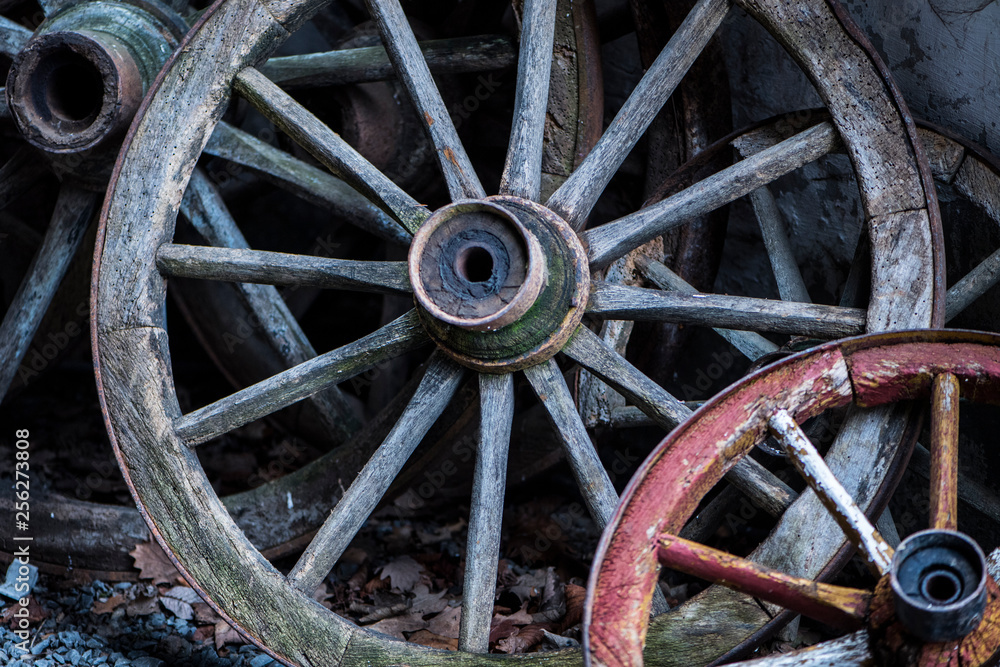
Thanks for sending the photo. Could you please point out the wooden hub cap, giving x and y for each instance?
(500, 283)
(475, 266)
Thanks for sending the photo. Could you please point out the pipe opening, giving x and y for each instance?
(74, 88)
(474, 264)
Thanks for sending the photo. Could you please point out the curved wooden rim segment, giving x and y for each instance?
(132, 351)
(868, 370)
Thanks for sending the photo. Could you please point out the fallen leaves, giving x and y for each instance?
(154, 564)
(404, 573)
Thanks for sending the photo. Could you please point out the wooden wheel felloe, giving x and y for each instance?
(935, 602)
(154, 439)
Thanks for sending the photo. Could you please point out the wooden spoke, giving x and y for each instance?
(591, 477)
(327, 147)
(857, 285)
(365, 64)
(791, 286)
(614, 239)
(853, 650)
(576, 197)
(440, 381)
(203, 207)
(411, 68)
(73, 212)
(13, 37)
(590, 351)
(752, 345)
(304, 180)
(496, 395)
(972, 286)
(4, 108)
(522, 173)
(731, 312)
(281, 269)
(281, 390)
(834, 497)
(629, 416)
(19, 173)
(834, 605)
(944, 452)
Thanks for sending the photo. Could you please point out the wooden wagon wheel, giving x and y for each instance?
(501, 284)
(934, 603)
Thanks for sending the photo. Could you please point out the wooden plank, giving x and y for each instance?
(73, 213)
(612, 240)
(853, 650)
(366, 64)
(752, 345)
(522, 172)
(977, 181)
(315, 185)
(298, 382)
(944, 452)
(411, 68)
(972, 285)
(838, 606)
(898, 277)
(326, 146)
(440, 381)
(791, 286)
(574, 199)
(838, 502)
(281, 269)
(483, 545)
(730, 312)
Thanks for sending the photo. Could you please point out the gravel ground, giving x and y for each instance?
(72, 634)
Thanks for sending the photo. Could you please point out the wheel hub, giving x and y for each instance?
(78, 82)
(500, 283)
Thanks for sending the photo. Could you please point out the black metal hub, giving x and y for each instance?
(938, 581)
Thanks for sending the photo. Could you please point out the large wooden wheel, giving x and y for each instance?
(501, 286)
(935, 602)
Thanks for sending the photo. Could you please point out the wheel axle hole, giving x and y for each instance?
(474, 264)
(941, 587)
(74, 88)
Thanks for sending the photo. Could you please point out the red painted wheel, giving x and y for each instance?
(935, 602)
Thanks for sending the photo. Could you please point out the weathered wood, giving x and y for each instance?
(365, 64)
(207, 212)
(761, 486)
(972, 285)
(944, 155)
(13, 37)
(944, 452)
(574, 199)
(629, 416)
(614, 239)
(791, 287)
(752, 345)
(835, 498)
(731, 312)
(838, 606)
(851, 650)
(411, 68)
(298, 382)
(4, 107)
(72, 215)
(522, 172)
(304, 180)
(587, 349)
(483, 545)
(440, 381)
(281, 269)
(980, 183)
(327, 147)
(896, 239)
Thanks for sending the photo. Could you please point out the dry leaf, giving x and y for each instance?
(428, 638)
(426, 602)
(153, 563)
(108, 605)
(404, 573)
(225, 634)
(446, 623)
(575, 596)
(520, 617)
(142, 600)
(322, 595)
(203, 633)
(522, 639)
(203, 613)
(36, 613)
(397, 625)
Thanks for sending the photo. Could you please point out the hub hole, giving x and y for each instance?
(74, 90)
(474, 264)
(941, 587)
